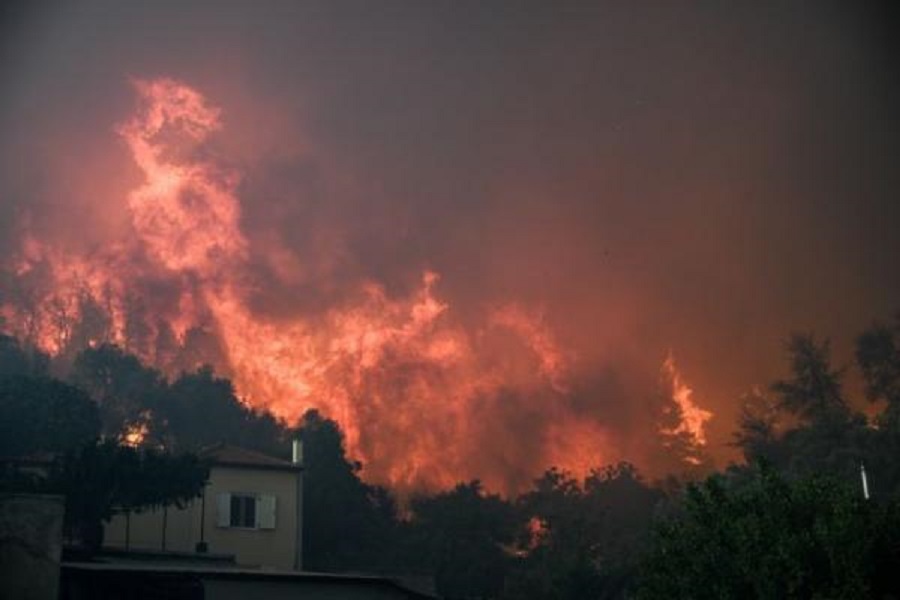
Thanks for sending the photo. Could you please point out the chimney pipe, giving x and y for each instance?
(297, 453)
(297, 459)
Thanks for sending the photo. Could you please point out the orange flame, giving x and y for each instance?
(135, 435)
(692, 418)
(538, 533)
(423, 400)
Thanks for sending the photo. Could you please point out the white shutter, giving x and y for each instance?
(223, 512)
(265, 512)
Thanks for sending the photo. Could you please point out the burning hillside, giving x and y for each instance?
(425, 397)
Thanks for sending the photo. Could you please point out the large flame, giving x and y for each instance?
(690, 418)
(424, 400)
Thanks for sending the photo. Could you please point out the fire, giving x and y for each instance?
(135, 434)
(691, 418)
(424, 400)
(186, 212)
(538, 534)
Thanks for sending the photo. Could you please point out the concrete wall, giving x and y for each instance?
(269, 548)
(30, 546)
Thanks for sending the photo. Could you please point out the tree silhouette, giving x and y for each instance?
(582, 540)
(40, 414)
(460, 535)
(127, 393)
(200, 409)
(100, 478)
(352, 523)
(813, 392)
(18, 360)
(878, 356)
(758, 434)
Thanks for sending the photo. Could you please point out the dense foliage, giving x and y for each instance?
(790, 521)
(51, 442)
(769, 537)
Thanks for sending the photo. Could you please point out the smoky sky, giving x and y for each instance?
(700, 177)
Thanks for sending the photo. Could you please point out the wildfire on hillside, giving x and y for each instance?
(420, 394)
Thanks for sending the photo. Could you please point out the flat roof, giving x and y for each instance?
(240, 573)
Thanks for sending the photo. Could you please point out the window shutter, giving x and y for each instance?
(223, 510)
(265, 512)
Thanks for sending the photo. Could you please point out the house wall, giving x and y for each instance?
(269, 548)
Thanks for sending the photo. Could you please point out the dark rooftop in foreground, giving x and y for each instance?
(187, 581)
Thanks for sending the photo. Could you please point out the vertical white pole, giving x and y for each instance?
(297, 459)
(297, 452)
(865, 481)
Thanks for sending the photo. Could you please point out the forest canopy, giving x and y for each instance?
(129, 430)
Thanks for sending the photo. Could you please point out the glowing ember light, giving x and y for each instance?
(538, 533)
(134, 435)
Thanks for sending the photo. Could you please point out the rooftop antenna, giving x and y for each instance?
(865, 481)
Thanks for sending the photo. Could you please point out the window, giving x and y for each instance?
(246, 511)
(243, 511)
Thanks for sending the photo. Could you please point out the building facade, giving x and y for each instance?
(251, 508)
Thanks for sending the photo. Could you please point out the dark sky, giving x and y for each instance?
(703, 177)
